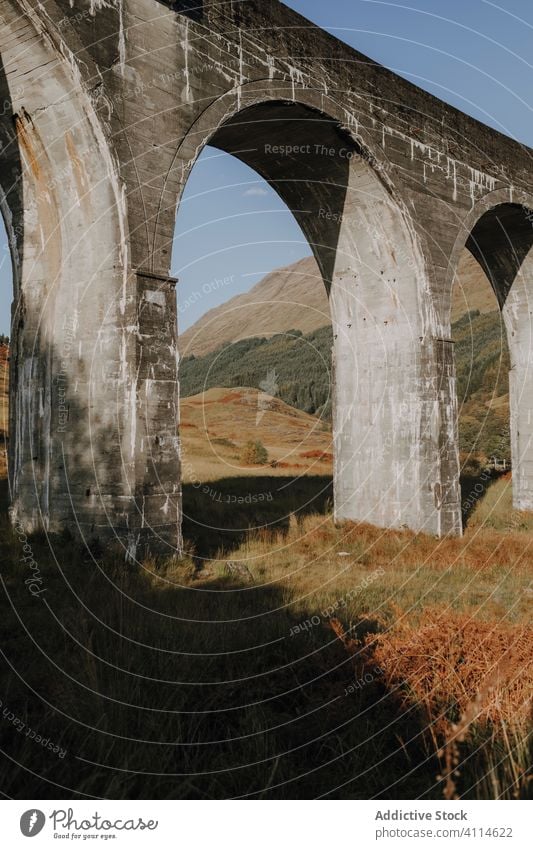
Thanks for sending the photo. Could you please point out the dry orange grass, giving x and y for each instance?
(448, 626)
(472, 684)
(217, 424)
(446, 662)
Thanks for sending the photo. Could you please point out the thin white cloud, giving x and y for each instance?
(255, 191)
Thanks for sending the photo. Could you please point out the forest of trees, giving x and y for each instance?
(298, 367)
(302, 368)
(482, 367)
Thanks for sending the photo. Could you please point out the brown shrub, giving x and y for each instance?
(254, 454)
(450, 662)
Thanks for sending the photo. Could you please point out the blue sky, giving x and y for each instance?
(232, 228)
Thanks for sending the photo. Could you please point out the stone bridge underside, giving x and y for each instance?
(105, 108)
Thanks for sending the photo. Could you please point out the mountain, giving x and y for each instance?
(294, 298)
(295, 368)
(289, 298)
(482, 366)
(472, 290)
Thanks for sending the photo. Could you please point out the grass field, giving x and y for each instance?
(307, 660)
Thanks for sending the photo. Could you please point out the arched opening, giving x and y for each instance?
(255, 342)
(389, 467)
(493, 336)
(482, 374)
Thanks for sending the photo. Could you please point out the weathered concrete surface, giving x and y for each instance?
(107, 107)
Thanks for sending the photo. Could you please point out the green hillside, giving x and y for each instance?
(296, 368)
(482, 368)
(291, 366)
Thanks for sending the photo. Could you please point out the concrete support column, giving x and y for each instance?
(156, 444)
(520, 398)
(93, 423)
(396, 459)
(518, 317)
(396, 455)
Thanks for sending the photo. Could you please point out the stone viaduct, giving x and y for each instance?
(105, 106)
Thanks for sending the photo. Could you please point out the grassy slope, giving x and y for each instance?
(298, 367)
(482, 368)
(294, 296)
(216, 425)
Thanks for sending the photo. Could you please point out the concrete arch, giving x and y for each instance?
(224, 112)
(499, 234)
(488, 204)
(73, 420)
(395, 452)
